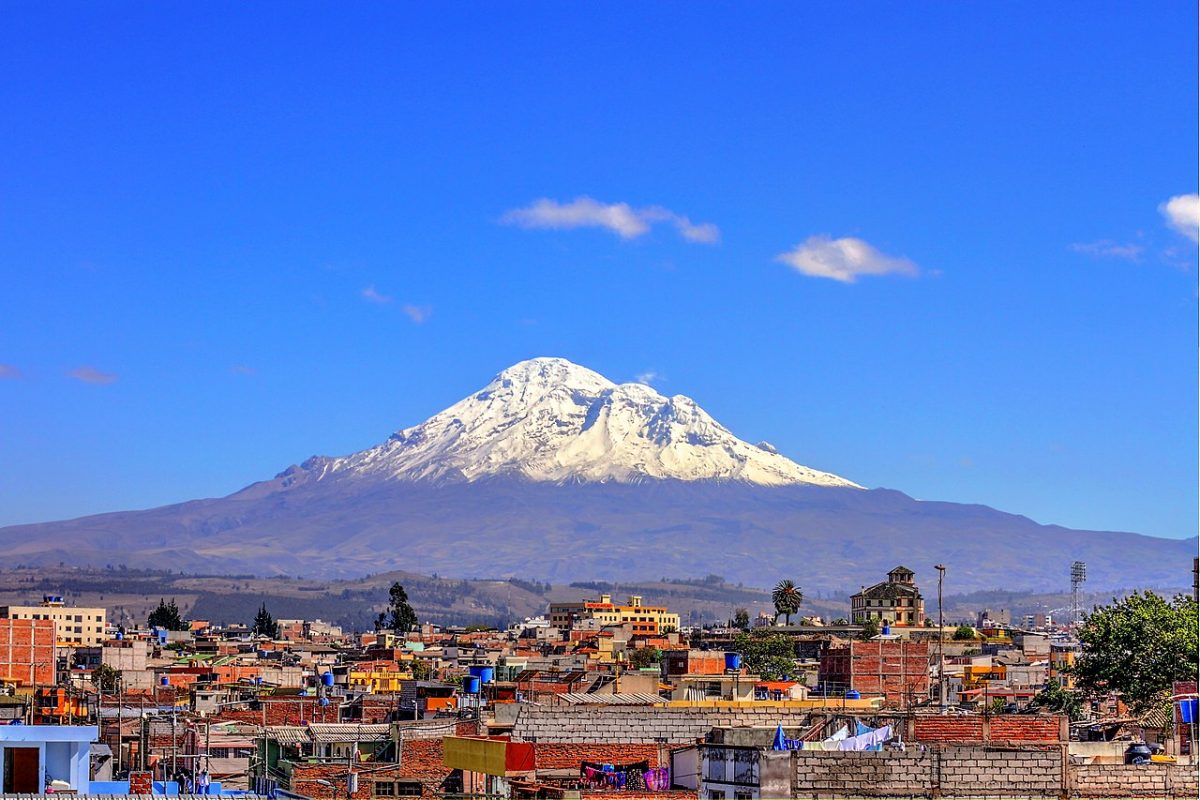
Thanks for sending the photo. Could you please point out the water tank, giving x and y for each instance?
(733, 661)
(327, 678)
(470, 684)
(120, 636)
(485, 674)
(887, 630)
(164, 681)
(324, 701)
(1188, 709)
(853, 695)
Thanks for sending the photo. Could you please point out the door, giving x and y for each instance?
(21, 770)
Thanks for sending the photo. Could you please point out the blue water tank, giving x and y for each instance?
(164, 681)
(120, 636)
(887, 630)
(853, 695)
(1188, 710)
(327, 678)
(324, 701)
(470, 684)
(733, 661)
(485, 674)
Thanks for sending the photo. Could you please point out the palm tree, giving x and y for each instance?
(787, 598)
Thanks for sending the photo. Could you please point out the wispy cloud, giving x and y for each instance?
(242, 369)
(89, 374)
(620, 218)
(648, 377)
(1106, 248)
(1182, 213)
(418, 314)
(373, 295)
(10, 373)
(843, 259)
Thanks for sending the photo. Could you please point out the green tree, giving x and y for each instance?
(741, 619)
(166, 616)
(265, 624)
(964, 633)
(643, 657)
(787, 598)
(1059, 700)
(771, 656)
(1138, 647)
(870, 629)
(105, 678)
(399, 615)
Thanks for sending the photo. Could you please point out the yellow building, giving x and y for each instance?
(643, 620)
(377, 681)
(76, 627)
(1061, 661)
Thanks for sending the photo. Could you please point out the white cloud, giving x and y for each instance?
(417, 314)
(619, 218)
(9, 372)
(1106, 248)
(373, 295)
(843, 259)
(648, 377)
(89, 374)
(1182, 213)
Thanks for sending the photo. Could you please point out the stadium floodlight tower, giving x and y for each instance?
(1078, 576)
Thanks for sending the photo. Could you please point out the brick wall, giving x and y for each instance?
(420, 760)
(897, 670)
(954, 771)
(27, 651)
(977, 728)
(623, 724)
(946, 728)
(553, 755)
(1131, 780)
(1024, 728)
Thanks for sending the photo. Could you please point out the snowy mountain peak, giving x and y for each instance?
(547, 419)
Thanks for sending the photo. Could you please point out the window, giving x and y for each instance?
(385, 789)
(716, 766)
(408, 789)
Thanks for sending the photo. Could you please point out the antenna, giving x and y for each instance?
(1078, 576)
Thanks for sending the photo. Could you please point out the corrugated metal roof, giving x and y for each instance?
(326, 732)
(621, 699)
(288, 734)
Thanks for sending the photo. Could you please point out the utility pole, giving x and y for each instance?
(941, 568)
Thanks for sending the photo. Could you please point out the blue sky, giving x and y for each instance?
(922, 246)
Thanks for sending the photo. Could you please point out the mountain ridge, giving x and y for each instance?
(443, 496)
(548, 419)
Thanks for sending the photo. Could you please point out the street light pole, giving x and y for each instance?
(941, 568)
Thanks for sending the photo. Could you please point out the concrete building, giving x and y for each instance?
(642, 620)
(896, 601)
(32, 756)
(75, 627)
(27, 651)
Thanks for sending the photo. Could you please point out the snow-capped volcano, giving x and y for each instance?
(549, 420)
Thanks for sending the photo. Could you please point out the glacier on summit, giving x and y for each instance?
(549, 420)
